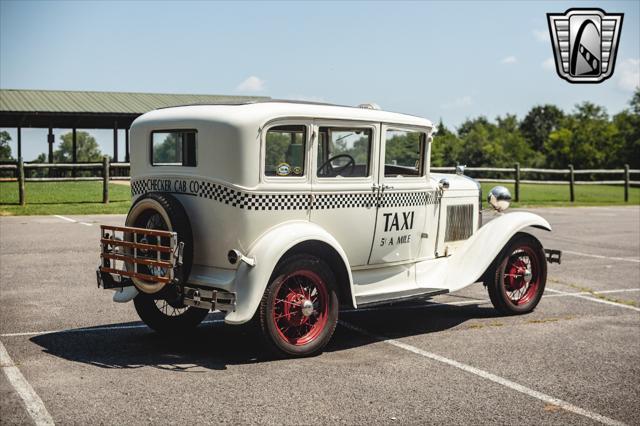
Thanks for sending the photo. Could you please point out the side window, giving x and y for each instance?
(173, 148)
(404, 153)
(285, 150)
(344, 152)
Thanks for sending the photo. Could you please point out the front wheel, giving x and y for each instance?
(299, 309)
(519, 275)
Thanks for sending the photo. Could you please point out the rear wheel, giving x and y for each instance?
(167, 315)
(519, 275)
(299, 309)
(159, 305)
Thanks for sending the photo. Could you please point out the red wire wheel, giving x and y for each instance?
(299, 310)
(521, 278)
(520, 275)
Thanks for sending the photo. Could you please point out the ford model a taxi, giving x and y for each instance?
(284, 212)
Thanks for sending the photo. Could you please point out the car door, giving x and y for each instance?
(403, 195)
(344, 173)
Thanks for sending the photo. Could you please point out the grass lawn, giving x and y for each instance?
(558, 195)
(45, 198)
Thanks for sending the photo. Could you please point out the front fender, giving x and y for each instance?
(469, 262)
(251, 281)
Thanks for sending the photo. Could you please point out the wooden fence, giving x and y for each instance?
(570, 177)
(105, 169)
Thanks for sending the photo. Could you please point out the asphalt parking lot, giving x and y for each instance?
(71, 355)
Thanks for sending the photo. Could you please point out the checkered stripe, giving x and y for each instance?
(250, 201)
(344, 201)
(138, 187)
(253, 201)
(408, 199)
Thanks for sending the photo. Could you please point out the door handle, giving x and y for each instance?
(386, 187)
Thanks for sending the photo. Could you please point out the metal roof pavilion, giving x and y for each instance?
(91, 110)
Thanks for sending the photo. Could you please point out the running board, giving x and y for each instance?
(400, 296)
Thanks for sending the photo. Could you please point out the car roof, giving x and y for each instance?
(260, 112)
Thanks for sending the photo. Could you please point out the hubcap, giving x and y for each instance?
(307, 308)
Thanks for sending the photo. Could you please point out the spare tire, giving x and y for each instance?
(164, 212)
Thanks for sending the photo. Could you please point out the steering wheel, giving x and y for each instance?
(327, 168)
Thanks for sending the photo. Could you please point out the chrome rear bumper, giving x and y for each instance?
(209, 299)
(553, 256)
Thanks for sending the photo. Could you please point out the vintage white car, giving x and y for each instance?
(286, 212)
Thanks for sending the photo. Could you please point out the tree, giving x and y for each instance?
(41, 158)
(484, 143)
(88, 148)
(586, 139)
(539, 123)
(635, 102)
(628, 125)
(446, 147)
(5, 148)
(514, 145)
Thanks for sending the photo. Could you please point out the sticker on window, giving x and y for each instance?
(283, 169)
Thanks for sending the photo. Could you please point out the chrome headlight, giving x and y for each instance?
(499, 198)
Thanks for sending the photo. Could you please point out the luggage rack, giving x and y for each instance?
(124, 248)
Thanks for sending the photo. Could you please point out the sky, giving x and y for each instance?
(440, 60)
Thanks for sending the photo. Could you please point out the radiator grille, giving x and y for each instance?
(459, 222)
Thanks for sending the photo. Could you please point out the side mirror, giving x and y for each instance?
(499, 198)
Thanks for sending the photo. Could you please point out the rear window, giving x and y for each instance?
(173, 148)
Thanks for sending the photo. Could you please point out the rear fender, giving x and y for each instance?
(469, 262)
(267, 251)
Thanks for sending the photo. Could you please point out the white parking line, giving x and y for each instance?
(597, 256)
(489, 376)
(582, 295)
(35, 406)
(68, 219)
(622, 290)
(559, 293)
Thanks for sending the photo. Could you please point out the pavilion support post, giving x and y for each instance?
(126, 145)
(19, 132)
(74, 149)
(115, 142)
(21, 182)
(50, 140)
(105, 179)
